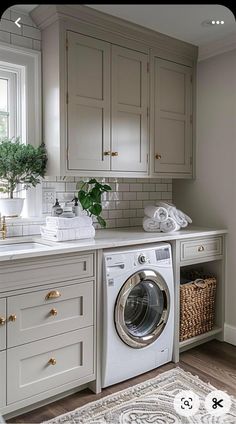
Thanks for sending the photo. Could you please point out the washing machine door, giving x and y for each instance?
(142, 308)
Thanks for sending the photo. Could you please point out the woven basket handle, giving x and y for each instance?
(199, 282)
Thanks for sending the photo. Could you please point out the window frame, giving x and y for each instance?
(26, 64)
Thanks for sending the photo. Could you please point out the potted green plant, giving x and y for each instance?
(90, 198)
(19, 164)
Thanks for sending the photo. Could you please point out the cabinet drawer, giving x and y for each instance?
(38, 316)
(2, 324)
(43, 365)
(2, 379)
(201, 248)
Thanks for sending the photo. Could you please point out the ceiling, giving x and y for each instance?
(180, 21)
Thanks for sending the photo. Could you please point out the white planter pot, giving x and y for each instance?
(11, 207)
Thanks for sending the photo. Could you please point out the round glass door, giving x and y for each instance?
(142, 308)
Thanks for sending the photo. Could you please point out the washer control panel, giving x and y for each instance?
(142, 259)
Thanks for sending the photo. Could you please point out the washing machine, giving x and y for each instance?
(138, 311)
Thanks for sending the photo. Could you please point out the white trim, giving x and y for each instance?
(30, 62)
(217, 47)
(230, 334)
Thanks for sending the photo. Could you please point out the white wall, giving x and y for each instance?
(211, 199)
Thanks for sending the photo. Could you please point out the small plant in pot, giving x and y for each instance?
(90, 197)
(19, 164)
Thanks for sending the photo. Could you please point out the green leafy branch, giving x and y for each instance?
(90, 197)
(20, 164)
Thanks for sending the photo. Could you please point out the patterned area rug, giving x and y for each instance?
(151, 402)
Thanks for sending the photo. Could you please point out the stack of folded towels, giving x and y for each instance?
(63, 229)
(164, 217)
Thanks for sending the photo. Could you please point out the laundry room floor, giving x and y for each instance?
(213, 362)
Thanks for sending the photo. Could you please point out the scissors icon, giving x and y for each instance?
(217, 403)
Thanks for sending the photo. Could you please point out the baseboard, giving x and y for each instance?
(230, 334)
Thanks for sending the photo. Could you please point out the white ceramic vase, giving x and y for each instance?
(11, 207)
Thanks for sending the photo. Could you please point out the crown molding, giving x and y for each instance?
(45, 15)
(217, 47)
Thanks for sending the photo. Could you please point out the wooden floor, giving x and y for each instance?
(213, 362)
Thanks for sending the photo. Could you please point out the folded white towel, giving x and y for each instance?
(160, 214)
(61, 223)
(151, 225)
(169, 225)
(67, 234)
(180, 217)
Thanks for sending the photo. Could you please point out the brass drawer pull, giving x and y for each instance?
(53, 312)
(158, 156)
(107, 153)
(2, 320)
(52, 361)
(53, 295)
(12, 318)
(114, 153)
(201, 248)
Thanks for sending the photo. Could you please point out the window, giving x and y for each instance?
(20, 106)
(8, 102)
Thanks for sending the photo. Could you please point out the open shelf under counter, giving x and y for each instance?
(202, 338)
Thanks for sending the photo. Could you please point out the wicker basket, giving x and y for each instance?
(197, 307)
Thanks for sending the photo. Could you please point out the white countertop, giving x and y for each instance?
(104, 239)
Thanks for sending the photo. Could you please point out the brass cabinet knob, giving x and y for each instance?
(12, 318)
(54, 294)
(52, 361)
(158, 156)
(53, 312)
(114, 153)
(201, 249)
(107, 153)
(2, 320)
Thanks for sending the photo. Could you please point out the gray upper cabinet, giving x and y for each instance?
(106, 106)
(117, 98)
(172, 118)
(88, 102)
(129, 110)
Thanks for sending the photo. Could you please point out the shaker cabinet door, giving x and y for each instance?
(3, 323)
(129, 110)
(88, 103)
(172, 117)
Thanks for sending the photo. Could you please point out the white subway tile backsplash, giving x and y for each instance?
(149, 187)
(161, 187)
(31, 32)
(123, 206)
(10, 26)
(135, 187)
(5, 36)
(129, 195)
(21, 41)
(142, 195)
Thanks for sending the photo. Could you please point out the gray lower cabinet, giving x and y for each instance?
(49, 312)
(2, 379)
(2, 324)
(47, 330)
(43, 365)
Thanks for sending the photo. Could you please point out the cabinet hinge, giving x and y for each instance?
(67, 153)
(191, 119)
(148, 68)
(147, 111)
(147, 157)
(67, 98)
(67, 44)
